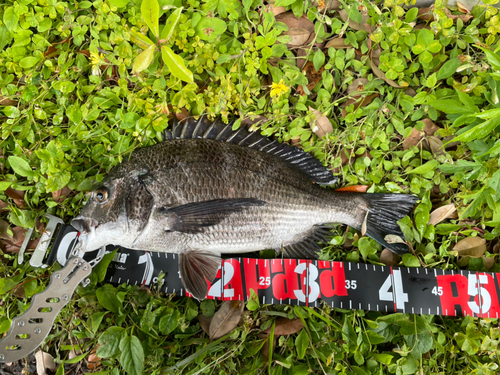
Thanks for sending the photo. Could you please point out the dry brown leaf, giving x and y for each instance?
(412, 140)
(464, 17)
(61, 195)
(451, 144)
(380, 74)
(358, 101)
(14, 194)
(410, 92)
(313, 76)
(322, 125)
(421, 26)
(429, 127)
(285, 326)
(249, 121)
(93, 361)
(4, 226)
(357, 85)
(204, 323)
(462, 8)
(276, 9)
(363, 26)
(291, 20)
(472, 246)
(299, 36)
(353, 189)
(338, 43)
(226, 319)
(6, 101)
(426, 14)
(436, 145)
(496, 248)
(442, 213)
(389, 258)
(182, 115)
(44, 362)
(488, 262)
(327, 5)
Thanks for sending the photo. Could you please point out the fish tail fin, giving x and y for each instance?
(384, 211)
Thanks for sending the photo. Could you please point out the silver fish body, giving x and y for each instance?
(201, 197)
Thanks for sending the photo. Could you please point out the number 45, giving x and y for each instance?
(437, 290)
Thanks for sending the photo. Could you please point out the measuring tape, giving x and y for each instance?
(309, 282)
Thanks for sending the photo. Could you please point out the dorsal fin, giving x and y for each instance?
(190, 128)
(308, 247)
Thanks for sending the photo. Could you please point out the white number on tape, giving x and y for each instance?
(312, 275)
(398, 296)
(266, 281)
(437, 291)
(215, 289)
(351, 284)
(474, 290)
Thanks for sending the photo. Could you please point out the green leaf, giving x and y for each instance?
(429, 166)
(150, 11)
(169, 321)
(9, 283)
(460, 165)
(425, 37)
(129, 120)
(29, 62)
(110, 342)
(354, 14)
(318, 59)
(96, 319)
(132, 355)
(172, 21)
(284, 3)
(106, 295)
(20, 166)
(411, 14)
(210, 29)
(142, 61)
(492, 58)
(448, 69)
(384, 358)
(101, 268)
(302, 343)
(478, 132)
(141, 40)
(119, 3)
(10, 19)
(176, 65)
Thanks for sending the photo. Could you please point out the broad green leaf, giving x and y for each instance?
(425, 37)
(20, 166)
(210, 29)
(429, 166)
(169, 321)
(9, 283)
(434, 47)
(411, 14)
(10, 19)
(284, 3)
(176, 65)
(5, 37)
(110, 342)
(492, 58)
(106, 295)
(354, 14)
(96, 319)
(172, 21)
(318, 59)
(491, 113)
(448, 69)
(302, 343)
(449, 106)
(142, 61)
(150, 11)
(410, 260)
(101, 267)
(384, 358)
(374, 338)
(141, 40)
(29, 62)
(129, 120)
(132, 355)
(5, 325)
(460, 165)
(478, 132)
(119, 3)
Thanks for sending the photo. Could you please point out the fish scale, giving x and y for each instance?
(227, 192)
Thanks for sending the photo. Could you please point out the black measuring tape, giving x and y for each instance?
(309, 282)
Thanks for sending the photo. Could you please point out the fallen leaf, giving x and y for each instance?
(4, 227)
(249, 121)
(299, 36)
(464, 17)
(441, 214)
(410, 92)
(353, 189)
(265, 347)
(412, 140)
(14, 194)
(182, 115)
(426, 14)
(436, 145)
(389, 258)
(277, 10)
(291, 20)
(327, 5)
(472, 246)
(429, 127)
(488, 262)
(93, 361)
(380, 74)
(205, 323)
(226, 319)
(3, 205)
(338, 43)
(313, 76)
(357, 85)
(393, 238)
(52, 50)
(358, 101)
(322, 125)
(6, 101)
(462, 8)
(363, 26)
(285, 326)
(451, 144)
(61, 195)
(496, 248)
(44, 362)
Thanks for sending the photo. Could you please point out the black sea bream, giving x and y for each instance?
(207, 190)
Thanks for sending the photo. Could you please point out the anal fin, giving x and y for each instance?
(196, 267)
(308, 247)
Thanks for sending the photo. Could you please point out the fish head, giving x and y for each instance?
(116, 213)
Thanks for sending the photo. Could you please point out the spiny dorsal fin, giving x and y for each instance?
(308, 247)
(191, 128)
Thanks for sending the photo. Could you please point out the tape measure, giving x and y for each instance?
(309, 282)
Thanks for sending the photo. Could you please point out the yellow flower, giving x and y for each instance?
(278, 89)
(96, 59)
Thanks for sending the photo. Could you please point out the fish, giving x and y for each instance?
(207, 190)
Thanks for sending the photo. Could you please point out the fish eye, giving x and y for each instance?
(101, 195)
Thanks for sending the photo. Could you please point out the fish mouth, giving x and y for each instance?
(84, 225)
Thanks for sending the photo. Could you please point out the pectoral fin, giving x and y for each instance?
(193, 217)
(196, 267)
